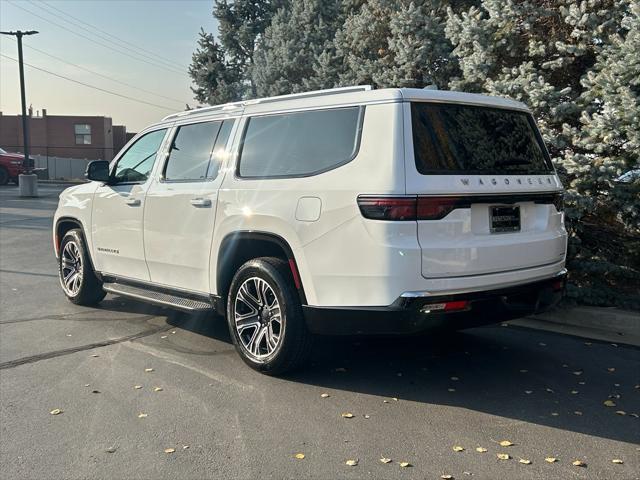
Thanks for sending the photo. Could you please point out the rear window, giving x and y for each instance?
(299, 143)
(451, 139)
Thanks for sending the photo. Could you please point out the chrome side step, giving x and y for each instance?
(163, 298)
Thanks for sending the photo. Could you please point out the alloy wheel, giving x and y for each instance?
(71, 268)
(258, 318)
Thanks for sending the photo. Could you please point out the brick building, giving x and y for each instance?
(66, 136)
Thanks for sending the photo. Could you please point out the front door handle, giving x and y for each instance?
(133, 202)
(200, 202)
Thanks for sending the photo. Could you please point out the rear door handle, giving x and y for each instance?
(133, 202)
(200, 202)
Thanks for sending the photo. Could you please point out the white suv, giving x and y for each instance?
(341, 211)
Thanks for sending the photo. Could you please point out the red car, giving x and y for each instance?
(11, 165)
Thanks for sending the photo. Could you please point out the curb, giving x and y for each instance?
(600, 323)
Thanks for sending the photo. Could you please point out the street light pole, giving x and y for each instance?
(28, 164)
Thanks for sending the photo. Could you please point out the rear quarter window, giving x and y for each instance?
(299, 143)
(464, 139)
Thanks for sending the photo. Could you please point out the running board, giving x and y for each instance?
(166, 298)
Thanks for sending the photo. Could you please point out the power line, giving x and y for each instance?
(90, 86)
(114, 37)
(104, 76)
(174, 71)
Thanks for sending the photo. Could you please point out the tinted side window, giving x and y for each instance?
(137, 162)
(191, 151)
(219, 148)
(299, 143)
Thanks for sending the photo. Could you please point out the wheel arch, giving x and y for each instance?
(239, 247)
(63, 225)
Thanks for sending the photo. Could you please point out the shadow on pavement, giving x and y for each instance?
(518, 373)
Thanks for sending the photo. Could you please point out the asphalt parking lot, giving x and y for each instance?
(412, 399)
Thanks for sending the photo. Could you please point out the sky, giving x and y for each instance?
(146, 45)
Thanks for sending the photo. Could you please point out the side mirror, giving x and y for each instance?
(98, 171)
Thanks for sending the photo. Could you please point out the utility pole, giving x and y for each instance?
(28, 164)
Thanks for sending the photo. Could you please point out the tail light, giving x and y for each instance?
(454, 306)
(409, 208)
(388, 208)
(558, 201)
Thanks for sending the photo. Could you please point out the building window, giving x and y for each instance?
(83, 134)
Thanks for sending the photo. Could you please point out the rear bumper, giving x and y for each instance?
(406, 315)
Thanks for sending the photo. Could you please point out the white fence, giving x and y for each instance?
(59, 168)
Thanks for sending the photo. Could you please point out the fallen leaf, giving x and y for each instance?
(574, 392)
(503, 456)
(549, 390)
(404, 464)
(621, 412)
(385, 460)
(551, 459)
(446, 477)
(299, 456)
(172, 332)
(367, 416)
(148, 370)
(169, 450)
(524, 461)
(611, 369)
(142, 415)
(554, 414)
(95, 355)
(614, 344)
(528, 392)
(451, 389)
(609, 403)
(481, 449)
(578, 372)
(634, 415)
(111, 450)
(163, 336)
(55, 411)
(588, 344)
(185, 447)
(385, 401)
(578, 463)
(157, 389)
(458, 448)
(325, 395)
(352, 463)
(505, 443)
(347, 415)
(137, 387)
(394, 399)
(578, 412)
(617, 460)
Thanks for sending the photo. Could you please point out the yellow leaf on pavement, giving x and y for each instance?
(142, 415)
(617, 460)
(148, 370)
(55, 411)
(347, 415)
(352, 463)
(578, 463)
(169, 450)
(505, 443)
(458, 448)
(524, 461)
(405, 464)
(503, 456)
(551, 459)
(325, 395)
(609, 403)
(385, 460)
(481, 449)
(157, 389)
(299, 456)
(446, 477)
(137, 387)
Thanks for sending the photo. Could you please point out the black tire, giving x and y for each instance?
(86, 289)
(294, 340)
(4, 176)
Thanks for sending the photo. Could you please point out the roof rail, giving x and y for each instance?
(292, 96)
